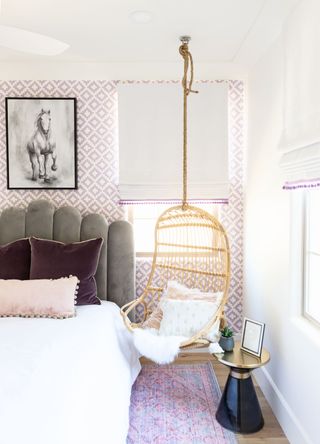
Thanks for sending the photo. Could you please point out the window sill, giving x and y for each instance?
(142, 254)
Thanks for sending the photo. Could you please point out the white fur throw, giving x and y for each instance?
(214, 347)
(160, 349)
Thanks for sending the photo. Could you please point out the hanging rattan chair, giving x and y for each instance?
(191, 247)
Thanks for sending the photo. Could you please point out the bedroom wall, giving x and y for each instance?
(271, 251)
(97, 146)
(98, 165)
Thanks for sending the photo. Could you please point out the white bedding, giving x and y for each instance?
(66, 381)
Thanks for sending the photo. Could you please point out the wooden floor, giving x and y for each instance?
(271, 432)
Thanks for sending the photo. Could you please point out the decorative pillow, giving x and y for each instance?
(52, 260)
(178, 291)
(15, 260)
(38, 298)
(187, 317)
(154, 320)
(175, 290)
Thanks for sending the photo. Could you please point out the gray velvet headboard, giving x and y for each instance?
(116, 271)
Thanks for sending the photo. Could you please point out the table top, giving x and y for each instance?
(240, 359)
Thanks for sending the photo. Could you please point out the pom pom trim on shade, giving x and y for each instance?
(172, 201)
(301, 184)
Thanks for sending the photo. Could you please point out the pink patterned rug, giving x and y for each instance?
(176, 404)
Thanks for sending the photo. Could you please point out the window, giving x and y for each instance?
(144, 217)
(311, 303)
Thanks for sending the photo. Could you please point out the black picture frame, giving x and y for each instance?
(28, 141)
(252, 336)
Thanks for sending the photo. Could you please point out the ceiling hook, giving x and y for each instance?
(185, 39)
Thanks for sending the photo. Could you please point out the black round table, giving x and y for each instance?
(239, 408)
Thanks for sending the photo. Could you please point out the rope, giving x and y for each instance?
(187, 89)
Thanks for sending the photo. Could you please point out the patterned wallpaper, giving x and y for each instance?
(98, 165)
(97, 146)
(232, 214)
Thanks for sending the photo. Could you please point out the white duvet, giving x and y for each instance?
(66, 381)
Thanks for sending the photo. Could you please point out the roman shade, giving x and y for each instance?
(150, 141)
(300, 143)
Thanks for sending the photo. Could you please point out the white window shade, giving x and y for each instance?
(300, 144)
(150, 141)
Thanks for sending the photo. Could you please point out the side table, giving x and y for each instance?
(239, 408)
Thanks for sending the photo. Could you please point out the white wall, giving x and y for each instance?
(272, 262)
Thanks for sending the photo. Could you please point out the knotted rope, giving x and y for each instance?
(187, 89)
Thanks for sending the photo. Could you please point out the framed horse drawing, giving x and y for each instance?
(41, 136)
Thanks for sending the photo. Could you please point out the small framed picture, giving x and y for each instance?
(252, 336)
(41, 143)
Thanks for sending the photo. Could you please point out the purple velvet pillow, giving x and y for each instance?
(53, 260)
(15, 260)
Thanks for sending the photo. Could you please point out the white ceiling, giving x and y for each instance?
(223, 31)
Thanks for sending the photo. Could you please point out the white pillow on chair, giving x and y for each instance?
(188, 317)
(178, 291)
(175, 290)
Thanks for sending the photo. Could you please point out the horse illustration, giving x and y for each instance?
(41, 146)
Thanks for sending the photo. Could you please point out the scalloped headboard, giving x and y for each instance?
(116, 270)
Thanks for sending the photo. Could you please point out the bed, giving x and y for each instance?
(69, 381)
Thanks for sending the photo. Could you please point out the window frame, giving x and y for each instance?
(213, 209)
(131, 219)
(305, 262)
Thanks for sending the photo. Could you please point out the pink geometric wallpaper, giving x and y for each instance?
(232, 214)
(97, 146)
(98, 165)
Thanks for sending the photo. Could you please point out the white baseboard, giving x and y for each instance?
(289, 422)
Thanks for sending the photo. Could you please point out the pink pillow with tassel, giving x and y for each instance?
(39, 298)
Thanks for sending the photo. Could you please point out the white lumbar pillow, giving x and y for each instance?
(175, 290)
(188, 317)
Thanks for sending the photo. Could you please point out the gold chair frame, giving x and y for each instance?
(198, 257)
